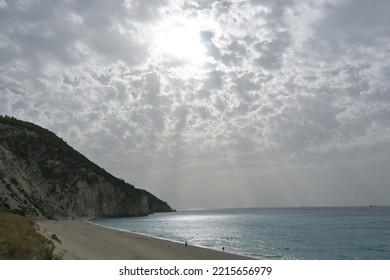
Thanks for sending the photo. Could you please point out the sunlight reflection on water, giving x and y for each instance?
(316, 233)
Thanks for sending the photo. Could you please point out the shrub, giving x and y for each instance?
(19, 240)
(14, 181)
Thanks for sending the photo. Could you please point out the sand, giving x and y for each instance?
(82, 240)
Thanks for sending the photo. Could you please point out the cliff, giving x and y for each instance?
(41, 175)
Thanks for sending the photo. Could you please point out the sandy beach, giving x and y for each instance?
(82, 240)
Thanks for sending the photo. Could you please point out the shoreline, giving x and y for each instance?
(81, 239)
(243, 256)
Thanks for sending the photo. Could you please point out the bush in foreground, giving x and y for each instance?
(19, 240)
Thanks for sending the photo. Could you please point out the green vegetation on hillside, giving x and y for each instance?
(19, 240)
(56, 148)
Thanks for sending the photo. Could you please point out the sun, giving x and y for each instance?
(182, 42)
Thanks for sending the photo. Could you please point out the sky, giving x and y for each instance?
(210, 104)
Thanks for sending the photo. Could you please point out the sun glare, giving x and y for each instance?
(183, 43)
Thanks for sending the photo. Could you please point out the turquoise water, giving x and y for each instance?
(274, 233)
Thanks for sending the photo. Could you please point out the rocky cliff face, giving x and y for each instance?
(40, 175)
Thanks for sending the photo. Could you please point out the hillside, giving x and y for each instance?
(41, 175)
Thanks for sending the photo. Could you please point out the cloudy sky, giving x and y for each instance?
(211, 103)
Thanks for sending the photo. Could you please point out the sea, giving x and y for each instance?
(329, 233)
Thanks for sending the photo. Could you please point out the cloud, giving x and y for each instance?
(282, 84)
(271, 52)
(354, 27)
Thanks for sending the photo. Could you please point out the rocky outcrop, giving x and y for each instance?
(40, 175)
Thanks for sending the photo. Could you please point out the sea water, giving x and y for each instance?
(273, 233)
